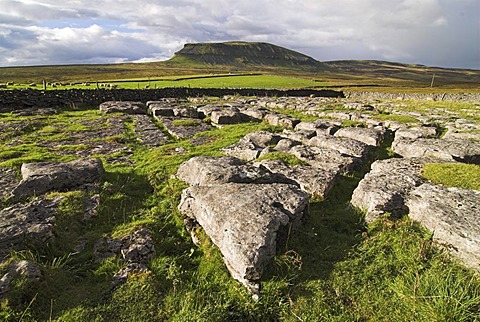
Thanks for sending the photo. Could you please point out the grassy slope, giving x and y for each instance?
(332, 268)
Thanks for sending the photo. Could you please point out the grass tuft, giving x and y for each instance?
(460, 175)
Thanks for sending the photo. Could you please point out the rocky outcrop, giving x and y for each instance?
(207, 171)
(221, 188)
(385, 188)
(344, 145)
(22, 223)
(452, 149)
(41, 177)
(414, 133)
(8, 181)
(135, 249)
(244, 221)
(147, 132)
(323, 158)
(370, 136)
(452, 215)
(123, 107)
(316, 182)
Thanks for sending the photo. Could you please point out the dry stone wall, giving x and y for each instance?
(453, 97)
(25, 98)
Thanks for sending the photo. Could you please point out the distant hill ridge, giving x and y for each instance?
(245, 53)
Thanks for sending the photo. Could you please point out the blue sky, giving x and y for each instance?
(431, 32)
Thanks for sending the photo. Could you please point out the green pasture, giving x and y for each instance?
(194, 81)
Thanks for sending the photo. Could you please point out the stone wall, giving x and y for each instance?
(452, 97)
(18, 99)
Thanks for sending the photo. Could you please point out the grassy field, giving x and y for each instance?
(333, 268)
(351, 75)
(195, 81)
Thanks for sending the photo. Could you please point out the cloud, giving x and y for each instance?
(432, 32)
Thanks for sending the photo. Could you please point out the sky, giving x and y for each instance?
(444, 33)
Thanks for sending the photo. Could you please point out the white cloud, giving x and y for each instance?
(46, 31)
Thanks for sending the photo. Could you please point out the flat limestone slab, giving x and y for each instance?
(452, 149)
(453, 215)
(386, 186)
(244, 221)
(42, 177)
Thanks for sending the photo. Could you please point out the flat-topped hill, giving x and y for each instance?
(244, 53)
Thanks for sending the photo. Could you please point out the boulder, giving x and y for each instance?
(245, 221)
(386, 186)
(300, 135)
(251, 145)
(42, 177)
(370, 136)
(158, 110)
(181, 111)
(206, 171)
(453, 215)
(254, 113)
(224, 117)
(323, 158)
(320, 126)
(123, 107)
(244, 150)
(416, 132)
(343, 145)
(452, 149)
(314, 181)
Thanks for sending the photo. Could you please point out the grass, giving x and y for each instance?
(460, 175)
(332, 268)
(396, 118)
(190, 122)
(287, 158)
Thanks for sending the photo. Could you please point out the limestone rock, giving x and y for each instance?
(323, 158)
(206, 171)
(131, 268)
(181, 111)
(135, 247)
(244, 150)
(416, 132)
(316, 182)
(263, 138)
(123, 107)
(370, 136)
(27, 222)
(445, 149)
(19, 269)
(41, 177)
(343, 145)
(452, 215)
(183, 131)
(244, 222)
(300, 135)
(148, 133)
(8, 181)
(251, 145)
(138, 247)
(254, 113)
(386, 186)
(226, 117)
